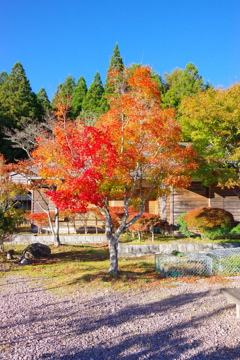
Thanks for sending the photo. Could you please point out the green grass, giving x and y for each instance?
(163, 239)
(85, 267)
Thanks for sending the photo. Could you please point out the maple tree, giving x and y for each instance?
(132, 153)
(40, 219)
(150, 221)
(147, 222)
(210, 120)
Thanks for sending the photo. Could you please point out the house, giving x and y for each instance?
(169, 207)
(182, 200)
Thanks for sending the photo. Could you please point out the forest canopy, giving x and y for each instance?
(19, 102)
(209, 118)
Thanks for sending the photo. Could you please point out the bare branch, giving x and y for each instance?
(25, 137)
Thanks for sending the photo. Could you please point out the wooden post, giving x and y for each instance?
(171, 220)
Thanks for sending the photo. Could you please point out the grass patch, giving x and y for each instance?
(163, 239)
(85, 267)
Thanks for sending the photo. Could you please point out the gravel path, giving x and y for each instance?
(182, 321)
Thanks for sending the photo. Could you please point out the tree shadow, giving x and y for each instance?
(167, 343)
(123, 277)
(85, 253)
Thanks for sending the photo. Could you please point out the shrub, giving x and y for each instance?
(209, 222)
(218, 232)
(183, 225)
(9, 221)
(236, 230)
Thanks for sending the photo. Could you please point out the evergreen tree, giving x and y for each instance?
(93, 100)
(159, 80)
(116, 62)
(114, 75)
(17, 100)
(173, 78)
(182, 83)
(64, 92)
(3, 77)
(44, 100)
(79, 94)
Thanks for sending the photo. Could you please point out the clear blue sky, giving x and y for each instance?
(56, 38)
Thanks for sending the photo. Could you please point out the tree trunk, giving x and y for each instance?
(113, 252)
(96, 225)
(56, 230)
(152, 232)
(56, 240)
(112, 244)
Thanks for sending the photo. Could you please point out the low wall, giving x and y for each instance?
(65, 239)
(142, 250)
(123, 250)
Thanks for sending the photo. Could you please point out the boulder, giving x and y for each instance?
(10, 254)
(36, 251)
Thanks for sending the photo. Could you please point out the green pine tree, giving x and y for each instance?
(182, 83)
(114, 78)
(93, 100)
(44, 100)
(79, 94)
(116, 62)
(3, 77)
(17, 100)
(64, 95)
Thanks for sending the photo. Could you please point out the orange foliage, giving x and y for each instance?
(135, 141)
(208, 217)
(40, 219)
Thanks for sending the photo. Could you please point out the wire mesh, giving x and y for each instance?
(189, 265)
(218, 261)
(225, 261)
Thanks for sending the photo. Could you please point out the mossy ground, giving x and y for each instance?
(70, 268)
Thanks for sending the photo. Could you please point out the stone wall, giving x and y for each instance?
(65, 239)
(142, 250)
(123, 250)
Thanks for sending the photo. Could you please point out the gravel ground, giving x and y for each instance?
(181, 321)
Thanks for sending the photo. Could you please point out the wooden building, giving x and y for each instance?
(180, 201)
(169, 207)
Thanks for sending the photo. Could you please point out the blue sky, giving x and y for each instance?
(56, 38)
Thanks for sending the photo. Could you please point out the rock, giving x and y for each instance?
(25, 261)
(10, 254)
(36, 251)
